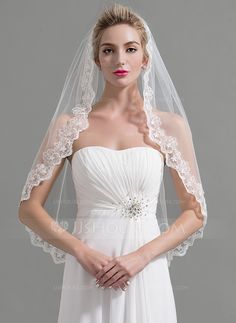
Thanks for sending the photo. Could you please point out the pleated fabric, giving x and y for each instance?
(117, 194)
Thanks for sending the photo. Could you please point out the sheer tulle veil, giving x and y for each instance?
(168, 128)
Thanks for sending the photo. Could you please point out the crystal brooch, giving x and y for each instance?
(133, 207)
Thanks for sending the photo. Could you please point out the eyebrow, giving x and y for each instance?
(129, 42)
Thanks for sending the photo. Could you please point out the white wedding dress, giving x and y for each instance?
(117, 193)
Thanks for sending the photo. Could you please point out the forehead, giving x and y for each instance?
(120, 34)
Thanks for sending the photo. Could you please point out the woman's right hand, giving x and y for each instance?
(92, 260)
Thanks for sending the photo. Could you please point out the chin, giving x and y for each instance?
(123, 84)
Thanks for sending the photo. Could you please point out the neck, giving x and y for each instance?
(121, 100)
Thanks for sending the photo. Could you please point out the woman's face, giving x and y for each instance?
(120, 48)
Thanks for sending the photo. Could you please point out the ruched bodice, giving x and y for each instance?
(105, 178)
(117, 194)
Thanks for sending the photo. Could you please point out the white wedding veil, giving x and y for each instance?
(168, 128)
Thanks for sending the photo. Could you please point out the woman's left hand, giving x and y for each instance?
(119, 270)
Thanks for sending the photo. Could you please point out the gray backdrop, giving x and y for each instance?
(196, 39)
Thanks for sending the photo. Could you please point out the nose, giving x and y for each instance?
(120, 59)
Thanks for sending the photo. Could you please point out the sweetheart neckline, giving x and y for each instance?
(116, 150)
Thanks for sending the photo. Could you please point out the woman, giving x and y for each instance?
(117, 257)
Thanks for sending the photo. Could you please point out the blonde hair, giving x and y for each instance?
(114, 15)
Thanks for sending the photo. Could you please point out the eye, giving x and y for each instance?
(108, 49)
(105, 50)
(134, 49)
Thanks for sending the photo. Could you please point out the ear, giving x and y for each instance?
(145, 61)
(97, 63)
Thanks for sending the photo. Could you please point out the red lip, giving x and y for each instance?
(120, 72)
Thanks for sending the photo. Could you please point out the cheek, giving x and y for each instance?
(135, 65)
(136, 61)
(105, 62)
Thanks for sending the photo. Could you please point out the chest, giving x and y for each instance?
(117, 134)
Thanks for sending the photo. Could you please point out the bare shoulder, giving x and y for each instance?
(63, 119)
(170, 119)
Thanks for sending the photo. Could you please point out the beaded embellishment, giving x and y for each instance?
(133, 207)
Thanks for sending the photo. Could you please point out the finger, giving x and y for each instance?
(113, 279)
(119, 282)
(105, 269)
(124, 287)
(108, 275)
(122, 280)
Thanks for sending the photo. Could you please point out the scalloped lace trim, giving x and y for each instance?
(70, 132)
(52, 157)
(168, 145)
(63, 148)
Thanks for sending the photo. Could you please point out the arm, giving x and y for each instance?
(33, 215)
(190, 219)
(187, 223)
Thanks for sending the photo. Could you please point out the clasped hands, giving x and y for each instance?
(112, 272)
(120, 269)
